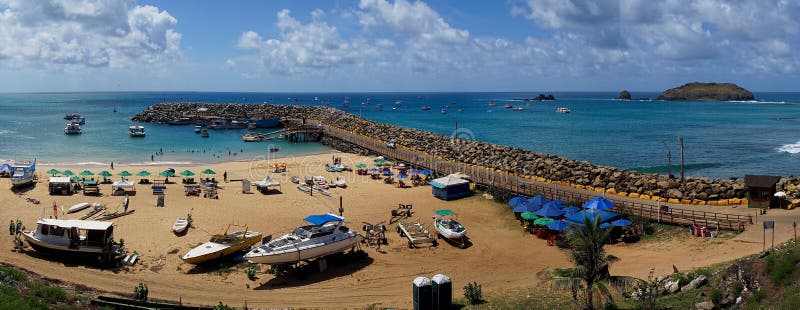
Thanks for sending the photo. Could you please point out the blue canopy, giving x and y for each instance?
(5, 167)
(550, 210)
(556, 203)
(591, 214)
(538, 201)
(557, 226)
(373, 170)
(621, 223)
(571, 210)
(321, 219)
(387, 172)
(426, 172)
(402, 176)
(525, 207)
(414, 172)
(605, 225)
(599, 203)
(516, 201)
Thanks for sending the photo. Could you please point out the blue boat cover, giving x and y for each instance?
(321, 219)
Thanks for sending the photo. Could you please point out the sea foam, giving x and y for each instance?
(793, 148)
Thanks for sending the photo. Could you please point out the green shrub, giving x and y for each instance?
(251, 272)
(681, 278)
(140, 292)
(473, 293)
(737, 288)
(781, 266)
(715, 296)
(49, 294)
(222, 306)
(759, 295)
(703, 271)
(10, 276)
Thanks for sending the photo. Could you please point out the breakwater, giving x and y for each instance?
(514, 161)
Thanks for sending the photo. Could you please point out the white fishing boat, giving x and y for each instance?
(517, 109)
(73, 129)
(198, 128)
(180, 226)
(136, 131)
(70, 116)
(325, 236)
(222, 245)
(78, 207)
(563, 110)
(69, 236)
(23, 174)
(339, 183)
(79, 119)
(447, 226)
(425, 108)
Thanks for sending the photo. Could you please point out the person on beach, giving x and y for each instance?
(151, 157)
(225, 176)
(112, 165)
(125, 202)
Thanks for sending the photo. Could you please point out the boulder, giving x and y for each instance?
(672, 287)
(697, 282)
(674, 193)
(706, 305)
(624, 95)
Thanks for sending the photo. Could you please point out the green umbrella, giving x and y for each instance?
(530, 216)
(444, 212)
(124, 174)
(208, 171)
(75, 178)
(53, 171)
(361, 166)
(67, 172)
(86, 173)
(543, 221)
(166, 173)
(105, 173)
(187, 173)
(143, 174)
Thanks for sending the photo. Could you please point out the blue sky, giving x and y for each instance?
(396, 45)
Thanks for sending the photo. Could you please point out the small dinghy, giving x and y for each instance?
(304, 188)
(323, 191)
(78, 207)
(180, 226)
(295, 180)
(447, 226)
(339, 183)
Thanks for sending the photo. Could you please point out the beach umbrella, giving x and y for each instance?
(373, 170)
(444, 212)
(516, 201)
(68, 172)
(529, 216)
(124, 173)
(426, 172)
(538, 201)
(605, 225)
(414, 172)
(402, 176)
(557, 226)
(361, 166)
(74, 178)
(187, 173)
(167, 173)
(525, 207)
(53, 171)
(104, 173)
(387, 172)
(550, 210)
(571, 210)
(780, 194)
(208, 171)
(143, 174)
(86, 173)
(599, 203)
(621, 223)
(543, 221)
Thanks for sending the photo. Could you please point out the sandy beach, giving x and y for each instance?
(501, 256)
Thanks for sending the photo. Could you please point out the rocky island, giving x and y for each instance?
(624, 95)
(707, 92)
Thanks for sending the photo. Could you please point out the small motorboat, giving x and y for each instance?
(295, 180)
(78, 207)
(563, 110)
(333, 168)
(71, 116)
(492, 104)
(425, 108)
(204, 133)
(444, 111)
(221, 245)
(23, 174)
(517, 109)
(325, 236)
(74, 237)
(73, 129)
(273, 149)
(136, 131)
(339, 183)
(508, 106)
(447, 226)
(323, 191)
(180, 226)
(304, 188)
(251, 138)
(198, 129)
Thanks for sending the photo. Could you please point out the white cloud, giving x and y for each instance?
(81, 33)
(416, 20)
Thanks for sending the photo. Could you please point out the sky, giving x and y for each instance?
(396, 45)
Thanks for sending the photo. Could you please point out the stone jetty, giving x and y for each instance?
(580, 174)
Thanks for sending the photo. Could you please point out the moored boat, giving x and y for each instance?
(204, 133)
(136, 131)
(222, 245)
(251, 138)
(198, 128)
(73, 129)
(508, 106)
(563, 110)
(70, 116)
(517, 109)
(326, 235)
(180, 225)
(70, 236)
(447, 226)
(426, 108)
(78, 207)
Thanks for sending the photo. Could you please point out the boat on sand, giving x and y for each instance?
(70, 236)
(180, 226)
(447, 226)
(325, 235)
(78, 207)
(221, 245)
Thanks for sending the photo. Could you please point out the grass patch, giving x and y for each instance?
(533, 298)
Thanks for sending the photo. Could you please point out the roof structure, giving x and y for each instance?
(80, 224)
(761, 181)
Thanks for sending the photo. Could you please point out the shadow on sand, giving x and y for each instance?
(339, 265)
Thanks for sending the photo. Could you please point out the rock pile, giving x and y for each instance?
(518, 161)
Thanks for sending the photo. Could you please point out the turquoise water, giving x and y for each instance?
(722, 139)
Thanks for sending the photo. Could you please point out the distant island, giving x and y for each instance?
(707, 92)
(626, 95)
(540, 97)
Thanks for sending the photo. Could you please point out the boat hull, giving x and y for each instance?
(304, 254)
(45, 247)
(197, 259)
(20, 182)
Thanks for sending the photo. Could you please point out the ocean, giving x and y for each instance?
(721, 139)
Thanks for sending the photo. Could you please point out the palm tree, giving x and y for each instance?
(589, 280)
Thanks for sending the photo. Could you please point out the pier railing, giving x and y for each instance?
(524, 186)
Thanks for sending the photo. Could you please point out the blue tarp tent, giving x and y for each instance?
(605, 216)
(571, 210)
(516, 201)
(321, 219)
(450, 187)
(538, 201)
(599, 203)
(550, 209)
(525, 207)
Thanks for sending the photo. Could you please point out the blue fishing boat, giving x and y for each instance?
(23, 174)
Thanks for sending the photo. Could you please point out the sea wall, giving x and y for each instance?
(539, 166)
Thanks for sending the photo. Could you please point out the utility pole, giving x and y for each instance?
(669, 160)
(681, 140)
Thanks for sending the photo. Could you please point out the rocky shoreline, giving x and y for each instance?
(543, 167)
